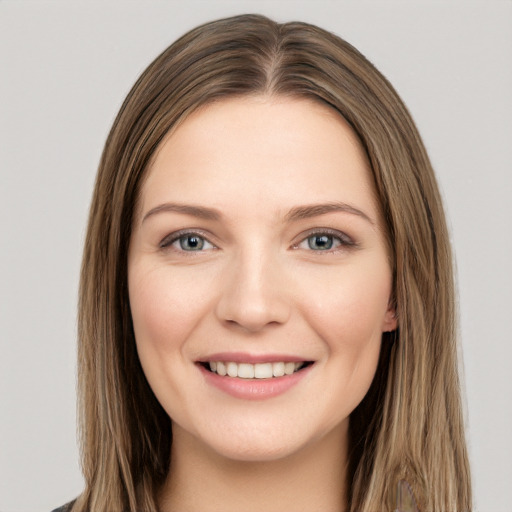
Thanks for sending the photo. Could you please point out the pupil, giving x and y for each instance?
(191, 243)
(322, 242)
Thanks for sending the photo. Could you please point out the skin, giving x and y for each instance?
(260, 285)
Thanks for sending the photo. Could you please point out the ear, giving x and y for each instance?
(390, 322)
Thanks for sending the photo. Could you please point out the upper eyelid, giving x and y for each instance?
(344, 237)
(176, 235)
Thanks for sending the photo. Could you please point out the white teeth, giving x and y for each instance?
(221, 369)
(289, 368)
(246, 371)
(254, 371)
(263, 370)
(278, 369)
(232, 369)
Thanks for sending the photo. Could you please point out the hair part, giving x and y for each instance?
(410, 425)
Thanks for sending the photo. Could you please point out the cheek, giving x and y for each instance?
(352, 304)
(165, 309)
(348, 315)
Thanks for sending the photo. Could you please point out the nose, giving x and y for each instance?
(253, 294)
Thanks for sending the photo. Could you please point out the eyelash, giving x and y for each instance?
(344, 241)
(171, 239)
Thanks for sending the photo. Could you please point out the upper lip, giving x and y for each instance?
(242, 357)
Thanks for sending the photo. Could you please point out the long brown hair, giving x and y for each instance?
(410, 423)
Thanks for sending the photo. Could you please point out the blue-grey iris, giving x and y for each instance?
(320, 242)
(191, 243)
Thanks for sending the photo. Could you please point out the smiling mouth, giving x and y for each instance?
(255, 371)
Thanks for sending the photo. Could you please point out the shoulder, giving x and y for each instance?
(65, 508)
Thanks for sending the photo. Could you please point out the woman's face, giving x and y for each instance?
(258, 251)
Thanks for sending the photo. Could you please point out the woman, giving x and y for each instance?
(267, 309)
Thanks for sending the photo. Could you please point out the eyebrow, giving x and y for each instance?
(297, 213)
(314, 210)
(195, 211)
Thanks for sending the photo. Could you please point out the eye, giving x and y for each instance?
(187, 242)
(191, 242)
(321, 242)
(325, 241)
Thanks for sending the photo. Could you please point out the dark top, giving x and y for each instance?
(64, 508)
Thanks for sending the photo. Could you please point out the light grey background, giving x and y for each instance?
(65, 68)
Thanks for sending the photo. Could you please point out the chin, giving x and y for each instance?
(257, 451)
(262, 443)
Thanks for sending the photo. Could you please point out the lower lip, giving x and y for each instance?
(254, 389)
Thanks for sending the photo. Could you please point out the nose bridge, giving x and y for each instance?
(252, 296)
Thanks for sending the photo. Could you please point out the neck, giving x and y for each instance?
(201, 480)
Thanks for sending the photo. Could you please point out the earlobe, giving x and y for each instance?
(390, 320)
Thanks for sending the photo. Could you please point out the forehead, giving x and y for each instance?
(260, 148)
